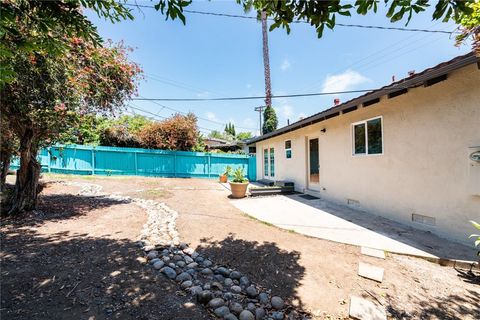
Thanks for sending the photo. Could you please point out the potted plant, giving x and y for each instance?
(224, 176)
(239, 184)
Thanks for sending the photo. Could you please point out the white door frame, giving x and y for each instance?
(269, 167)
(313, 186)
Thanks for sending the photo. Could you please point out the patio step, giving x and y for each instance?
(373, 252)
(370, 272)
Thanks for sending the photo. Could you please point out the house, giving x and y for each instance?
(409, 151)
(212, 144)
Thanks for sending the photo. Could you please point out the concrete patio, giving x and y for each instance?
(326, 220)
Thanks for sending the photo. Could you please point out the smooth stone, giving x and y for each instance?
(277, 315)
(236, 307)
(169, 272)
(251, 292)
(184, 276)
(236, 289)
(207, 263)
(223, 271)
(219, 277)
(204, 296)
(244, 281)
(221, 311)
(158, 265)
(152, 254)
(188, 251)
(172, 265)
(259, 313)
(194, 255)
(251, 306)
(154, 260)
(195, 290)
(246, 315)
(165, 252)
(181, 264)
(216, 303)
(217, 285)
(207, 286)
(230, 316)
(183, 245)
(199, 259)
(192, 265)
(235, 275)
(186, 284)
(277, 302)
(191, 271)
(188, 259)
(228, 282)
(228, 296)
(207, 271)
(166, 258)
(177, 257)
(263, 298)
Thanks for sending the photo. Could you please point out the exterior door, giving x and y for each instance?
(268, 163)
(313, 159)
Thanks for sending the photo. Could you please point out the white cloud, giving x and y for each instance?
(343, 81)
(203, 95)
(211, 116)
(287, 111)
(285, 64)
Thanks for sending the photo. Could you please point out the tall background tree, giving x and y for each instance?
(270, 121)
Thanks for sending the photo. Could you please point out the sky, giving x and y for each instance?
(215, 56)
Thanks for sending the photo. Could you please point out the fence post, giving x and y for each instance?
(209, 168)
(175, 164)
(49, 157)
(136, 164)
(93, 161)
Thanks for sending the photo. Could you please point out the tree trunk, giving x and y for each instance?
(26, 186)
(4, 167)
(266, 61)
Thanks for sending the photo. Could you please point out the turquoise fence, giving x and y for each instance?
(90, 160)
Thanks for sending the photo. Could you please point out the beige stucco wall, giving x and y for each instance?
(425, 166)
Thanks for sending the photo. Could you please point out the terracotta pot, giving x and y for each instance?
(238, 189)
(223, 178)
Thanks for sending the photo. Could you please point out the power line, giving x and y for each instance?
(182, 112)
(255, 97)
(300, 21)
(163, 117)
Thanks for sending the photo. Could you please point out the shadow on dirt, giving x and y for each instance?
(264, 263)
(79, 277)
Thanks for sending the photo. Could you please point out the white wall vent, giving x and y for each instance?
(423, 219)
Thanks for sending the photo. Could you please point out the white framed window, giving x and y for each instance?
(367, 137)
(288, 149)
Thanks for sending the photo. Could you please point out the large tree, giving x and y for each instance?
(180, 132)
(50, 91)
(270, 121)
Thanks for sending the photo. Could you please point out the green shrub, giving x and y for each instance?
(238, 176)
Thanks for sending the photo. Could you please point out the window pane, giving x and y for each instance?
(265, 162)
(359, 138)
(314, 161)
(272, 162)
(374, 133)
(289, 153)
(288, 144)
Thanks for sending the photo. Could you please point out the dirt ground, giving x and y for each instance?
(91, 243)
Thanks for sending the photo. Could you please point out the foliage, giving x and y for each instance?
(239, 176)
(118, 136)
(321, 13)
(470, 26)
(215, 134)
(228, 171)
(477, 236)
(41, 27)
(244, 135)
(230, 129)
(270, 121)
(179, 132)
(8, 148)
(200, 145)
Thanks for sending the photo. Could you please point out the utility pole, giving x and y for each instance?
(260, 111)
(266, 61)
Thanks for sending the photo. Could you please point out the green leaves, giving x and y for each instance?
(476, 225)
